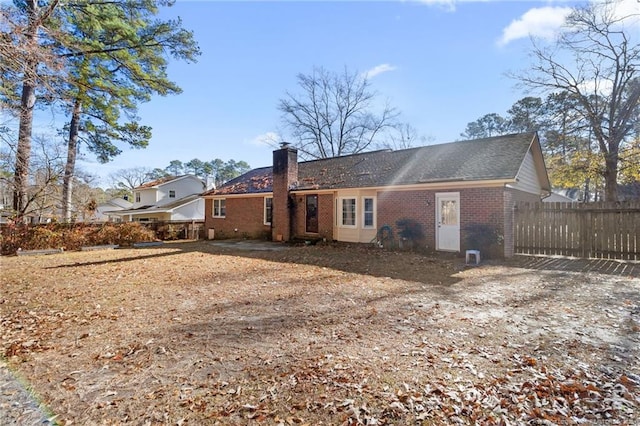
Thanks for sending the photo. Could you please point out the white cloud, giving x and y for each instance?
(627, 11)
(449, 5)
(600, 87)
(377, 70)
(542, 22)
(269, 139)
(546, 22)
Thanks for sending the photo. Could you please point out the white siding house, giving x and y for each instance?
(104, 209)
(167, 199)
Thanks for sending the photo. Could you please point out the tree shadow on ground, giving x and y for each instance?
(564, 264)
(118, 260)
(362, 259)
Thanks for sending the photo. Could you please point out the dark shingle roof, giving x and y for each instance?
(481, 159)
(254, 181)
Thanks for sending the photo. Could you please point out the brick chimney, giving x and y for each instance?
(285, 175)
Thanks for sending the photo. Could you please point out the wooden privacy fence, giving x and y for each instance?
(590, 230)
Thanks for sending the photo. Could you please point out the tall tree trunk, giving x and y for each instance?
(611, 175)
(23, 152)
(587, 192)
(27, 104)
(70, 167)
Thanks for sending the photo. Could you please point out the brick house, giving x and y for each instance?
(445, 189)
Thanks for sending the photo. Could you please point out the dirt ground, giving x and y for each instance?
(198, 333)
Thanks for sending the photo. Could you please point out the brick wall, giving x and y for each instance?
(416, 205)
(477, 205)
(325, 216)
(326, 208)
(484, 206)
(491, 206)
(244, 214)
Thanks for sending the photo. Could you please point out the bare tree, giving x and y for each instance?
(403, 136)
(42, 194)
(334, 114)
(128, 179)
(86, 197)
(602, 75)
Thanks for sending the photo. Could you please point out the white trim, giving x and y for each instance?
(445, 195)
(213, 208)
(252, 195)
(340, 212)
(264, 210)
(375, 214)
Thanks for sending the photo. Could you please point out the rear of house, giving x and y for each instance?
(445, 190)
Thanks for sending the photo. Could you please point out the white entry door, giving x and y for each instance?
(448, 221)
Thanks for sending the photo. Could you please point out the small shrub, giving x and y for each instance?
(483, 237)
(43, 238)
(74, 237)
(12, 237)
(172, 232)
(133, 232)
(107, 234)
(411, 231)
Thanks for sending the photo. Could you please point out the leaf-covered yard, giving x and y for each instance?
(194, 333)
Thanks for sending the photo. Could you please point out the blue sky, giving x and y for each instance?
(442, 64)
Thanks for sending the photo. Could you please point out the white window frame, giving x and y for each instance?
(341, 206)
(264, 216)
(218, 201)
(137, 196)
(172, 193)
(373, 212)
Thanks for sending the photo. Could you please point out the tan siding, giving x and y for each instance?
(359, 234)
(528, 180)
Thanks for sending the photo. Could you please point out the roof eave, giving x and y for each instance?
(237, 194)
(440, 184)
(541, 168)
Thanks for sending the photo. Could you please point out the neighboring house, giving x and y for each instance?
(445, 188)
(167, 199)
(629, 192)
(5, 215)
(113, 205)
(557, 196)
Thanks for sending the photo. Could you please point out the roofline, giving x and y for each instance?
(410, 187)
(153, 209)
(236, 195)
(181, 205)
(140, 187)
(417, 186)
(540, 166)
